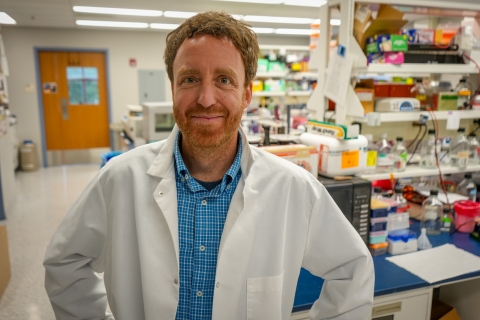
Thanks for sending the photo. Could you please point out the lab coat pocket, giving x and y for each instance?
(264, 298)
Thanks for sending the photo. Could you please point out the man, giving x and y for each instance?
(203, 226)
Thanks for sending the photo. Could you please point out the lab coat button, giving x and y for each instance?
(160, 193)
(217, 285)
(204, 202)
(199, 293)
(175, 281)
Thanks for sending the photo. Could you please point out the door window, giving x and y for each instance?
(83, 85)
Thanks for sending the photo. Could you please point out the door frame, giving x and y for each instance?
(37, 51)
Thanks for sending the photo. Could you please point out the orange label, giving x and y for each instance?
(350, 159)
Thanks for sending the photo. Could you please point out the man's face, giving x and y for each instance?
(208, 90)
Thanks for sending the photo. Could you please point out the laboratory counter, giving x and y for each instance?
(389, 278)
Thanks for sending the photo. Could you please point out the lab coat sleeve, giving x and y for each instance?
(73, 256)
(335, 252)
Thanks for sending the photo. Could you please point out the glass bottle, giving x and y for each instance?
(377, 193)
(372, 151)
(427, 152)
(384, 155)
(459, 151)
(446, 220)
(419, 92)
(464, 90)
(399, 156)
(474, 148)
(468, 188)
(402, 205)
(432, 214)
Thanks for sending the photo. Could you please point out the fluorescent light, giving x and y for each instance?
(305, 3)
(165, 26)
(306, 32)
(316, 21)
(277, 19)
(335, 22)
(263, 30)
(237, 16)
(179, 14)
(116, 24)
(6, 19)
(257, 1)
(119, 11)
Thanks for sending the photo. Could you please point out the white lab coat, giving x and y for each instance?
(280, 219)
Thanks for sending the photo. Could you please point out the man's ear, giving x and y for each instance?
(248, 95)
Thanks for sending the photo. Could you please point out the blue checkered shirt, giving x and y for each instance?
(201, 217)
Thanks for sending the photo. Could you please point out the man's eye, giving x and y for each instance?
(225, 81)
(189, 80)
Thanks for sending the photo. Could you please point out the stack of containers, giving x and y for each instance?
(379, 210)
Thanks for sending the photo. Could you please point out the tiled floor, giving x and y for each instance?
(42, 199)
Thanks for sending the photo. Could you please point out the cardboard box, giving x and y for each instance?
(5, 272)
(362, 17)
(365, 91)
(443, 311)
(387, 43)
(424, 36)
(389, 21)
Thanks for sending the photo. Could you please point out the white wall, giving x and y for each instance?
(146, 46)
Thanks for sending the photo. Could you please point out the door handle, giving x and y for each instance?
(64, 109)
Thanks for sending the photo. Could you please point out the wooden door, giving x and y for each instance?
(75, 101)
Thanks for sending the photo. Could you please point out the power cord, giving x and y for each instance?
(418, 143)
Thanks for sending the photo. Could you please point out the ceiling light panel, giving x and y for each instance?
(306, 32)
(179, 14)
(6, 19)
(118, 11)
(277, 19)
(258, 1)
(305, 3)
(164, 26)
(115, 24)
(335, 22)
(263, 30)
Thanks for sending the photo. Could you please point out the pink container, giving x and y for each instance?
(465, 211)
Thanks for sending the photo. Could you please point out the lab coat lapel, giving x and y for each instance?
(166, 192)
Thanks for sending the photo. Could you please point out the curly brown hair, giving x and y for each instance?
(219, 25)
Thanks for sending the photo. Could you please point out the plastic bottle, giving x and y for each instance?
(446, 220)
(423, 242)
(459, 151)
(384, 155)
(399, 156)
(432, 214)
(474, 148)
(377, 193)
(464, 90)
(402, 205)
(468, 188)
(419, 92)
(427, 152)
(372, 150)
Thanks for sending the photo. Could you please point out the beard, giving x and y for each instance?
(208, 136)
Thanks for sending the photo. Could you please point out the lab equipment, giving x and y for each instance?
(385, 156)
(377, 237)
(377, 193)
(474, 149)
(158, 120)
(464, 91)
(399, 156)
(423, 242)
(299, 154)
(468, 188)
(378, 208)
(402, 204)
(134, 121)
(353, 198)
(402, 241)
(398, 221)
(378, 249)
(338, 157)
(397, 105)
(459, 151)
(419, 92)
(378, 224)
(372, 150)
(432, 214)
(465, 213)
(427, 151)
(446, 220)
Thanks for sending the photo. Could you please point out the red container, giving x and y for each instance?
(466, 211)
(400, 90)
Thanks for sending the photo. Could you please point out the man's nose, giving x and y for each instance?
(207, 95)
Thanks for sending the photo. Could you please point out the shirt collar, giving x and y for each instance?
(181, 168)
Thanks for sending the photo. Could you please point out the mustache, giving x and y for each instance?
(210, 111)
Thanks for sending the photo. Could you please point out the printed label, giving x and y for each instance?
(350, 159)
(385, 160)
(463, 154)
(371, 158)
(404, 157)
(430, 213)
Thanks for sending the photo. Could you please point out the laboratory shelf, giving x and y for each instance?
(271, 74)
(269, 94)
(301, 75)
(414, 116)
(416, 68)
(299, 93)
(416, 171)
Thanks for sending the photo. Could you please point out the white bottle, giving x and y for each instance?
(459, 151)
(474, 148)
(399, 156)
(372, 151)
(468, 188)
(427, 152)
(432, 214)
(385, 155)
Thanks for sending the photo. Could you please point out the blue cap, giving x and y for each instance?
(401, 235)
